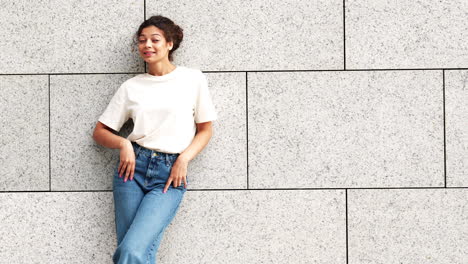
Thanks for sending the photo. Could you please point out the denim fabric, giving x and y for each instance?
(142, 210)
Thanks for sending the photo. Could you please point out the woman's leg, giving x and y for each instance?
(128, 196)
(142, 240)
(127, 199)
(151, 256)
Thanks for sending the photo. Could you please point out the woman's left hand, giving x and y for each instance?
(178, 173)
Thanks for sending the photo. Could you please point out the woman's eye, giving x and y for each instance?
(144, 40)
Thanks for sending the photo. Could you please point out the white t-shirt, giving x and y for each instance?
(164, 109)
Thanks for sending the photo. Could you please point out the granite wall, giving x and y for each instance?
(342, 134)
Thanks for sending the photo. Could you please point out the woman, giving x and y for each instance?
(172, 111)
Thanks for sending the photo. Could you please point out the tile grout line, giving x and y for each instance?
(68, 73)
(144, 18)
(271, 189)
(247, 124)
(344, 68)
(220, 71)
(344, 36)
(443, 118)
(50, 166)
(346, 218)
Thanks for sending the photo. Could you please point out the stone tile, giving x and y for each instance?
(54, 227)
(281, 226)
(73, 36)
(24, 141)
(77, 101)
(345, 129)
(456, 111)
(408, 226)
(406, 34)
(223, 163)
(257, 35)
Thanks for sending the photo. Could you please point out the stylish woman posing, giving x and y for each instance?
(172, 110)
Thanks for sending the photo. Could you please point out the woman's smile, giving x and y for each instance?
(149, 53)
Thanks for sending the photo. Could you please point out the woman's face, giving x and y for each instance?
(152, 45)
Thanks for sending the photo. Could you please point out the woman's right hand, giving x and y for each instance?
(127, 160)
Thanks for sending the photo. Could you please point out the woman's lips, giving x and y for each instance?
(148, 54)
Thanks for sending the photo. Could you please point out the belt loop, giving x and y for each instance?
(167, 159)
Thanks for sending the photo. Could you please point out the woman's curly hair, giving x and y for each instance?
(172, 32)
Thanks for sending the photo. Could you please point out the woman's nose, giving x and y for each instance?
(148, 43)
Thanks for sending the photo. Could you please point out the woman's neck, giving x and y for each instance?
(160, 68)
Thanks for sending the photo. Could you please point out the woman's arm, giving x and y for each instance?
(104, 136)
(179, 168)
(199, 142)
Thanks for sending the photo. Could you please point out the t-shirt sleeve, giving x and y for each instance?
(116, 113)
(204, 108)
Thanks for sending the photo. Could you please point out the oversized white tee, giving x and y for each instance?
(164, 109)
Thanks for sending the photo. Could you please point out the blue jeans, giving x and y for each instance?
(142, 210)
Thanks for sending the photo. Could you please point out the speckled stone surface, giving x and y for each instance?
(73, 36)
(456, 109)
(408, 226)
(77, 101)
(406, 34)
(24, 136)
(345, 129)
(257, 35)
(222, 164)
(281, 226)
(57, 227)
(279, 125)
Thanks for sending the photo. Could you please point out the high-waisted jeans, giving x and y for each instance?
(142, 210)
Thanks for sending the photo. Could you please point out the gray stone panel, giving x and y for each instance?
(406, 34)
(345, 129)
(456, 111)
(257, 35)
(281, 226)
(69, 36)
(77, 101)
(222, 164)
(57, 227)
(408, 226)
(24, 136)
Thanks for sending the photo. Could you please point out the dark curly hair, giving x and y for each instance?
(172, 32)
